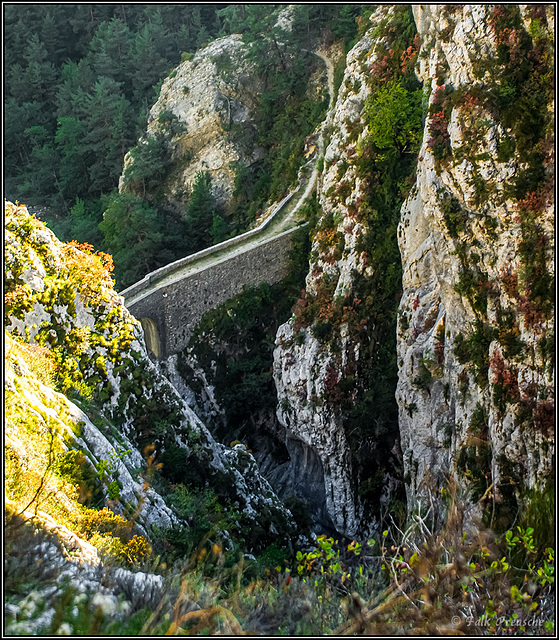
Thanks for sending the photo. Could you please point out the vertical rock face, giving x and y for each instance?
(300, 387)
(320, 348)
(476, 376)
(475, 364)
(303, 365)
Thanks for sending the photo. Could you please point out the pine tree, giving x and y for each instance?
(40, 75)
(38, 182)
(15, 37)
(53, 35)
(73, 166)
(200, 212)
(110, 51)
(19, 117)
(219, 229)
(184, 39)
(77, 80)
(134, 237)
(149, 66)
(85, 218)
(232, 18)
(107, 135)
(150, 164)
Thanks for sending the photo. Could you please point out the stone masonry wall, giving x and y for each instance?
(176, 308)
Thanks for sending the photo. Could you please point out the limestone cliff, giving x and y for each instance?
(124, 417)
(476, 374)
(475, 368)
(201, 103)
(319, 361)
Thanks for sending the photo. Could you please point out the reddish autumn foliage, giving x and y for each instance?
(498, 15)
(384, 67)
(438, 128)
(510, 281)
(298, 309)
(545, 417)
(533, 317)
(439, 141)
(408, 58)
(533, 202)
(505, 379)
(89, 270)
(332, 391)
(469, 105)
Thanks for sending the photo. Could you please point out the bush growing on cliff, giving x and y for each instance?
(150, 163)
(394, 118)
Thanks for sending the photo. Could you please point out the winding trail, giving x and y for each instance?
(330, 74)
(280, 218)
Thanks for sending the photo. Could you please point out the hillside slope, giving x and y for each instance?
(61, 303)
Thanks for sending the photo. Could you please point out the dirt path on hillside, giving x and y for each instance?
(330, 74)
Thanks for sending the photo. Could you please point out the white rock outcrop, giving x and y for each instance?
(454, 421)
(206, 97)
(304, 366)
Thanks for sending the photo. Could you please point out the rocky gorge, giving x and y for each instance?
(404, 369)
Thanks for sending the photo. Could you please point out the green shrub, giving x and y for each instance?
(178, 465)
(479, 425)
(394, 117)
(474, 285)
(425, 378)
(474, 463)
(74, 467)
(454, 216)
(538, 513)
(322, 331)
(474, 351)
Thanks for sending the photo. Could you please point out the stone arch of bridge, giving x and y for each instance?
(151, 334)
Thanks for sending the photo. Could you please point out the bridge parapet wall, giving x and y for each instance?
(152, 277)
(176, 308)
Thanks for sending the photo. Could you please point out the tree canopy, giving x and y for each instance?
(79, 81)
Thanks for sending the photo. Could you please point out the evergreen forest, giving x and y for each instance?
(80, 80)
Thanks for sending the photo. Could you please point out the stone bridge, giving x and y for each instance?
(170, 301)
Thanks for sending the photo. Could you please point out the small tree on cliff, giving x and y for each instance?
(200, 212)
(146, 173)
